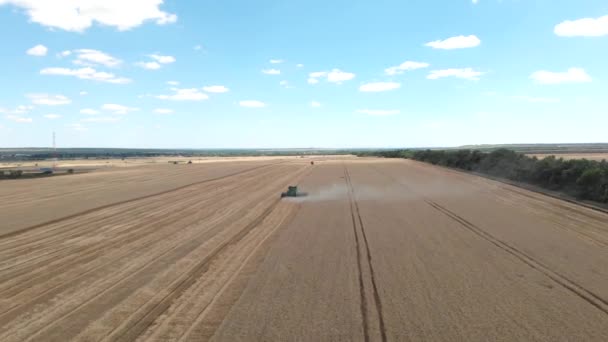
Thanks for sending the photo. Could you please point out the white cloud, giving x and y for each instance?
(536, 99)
(82, 93)
(405, 66)
(52, 116)
(118, 109)
(379, 86)
(458, 42)
(89, 111)
(65, 53)
(191, 94)
(378, 112)
(285, 84)
(276, 61)
(90, 57)
(198, 47)
(573, 75)
(299, 65)
(72, 15)
(586, 27)
(173, 83)
(271, 71)
(19, 119)
(148, 65)
(163, 111)
(216, 89)
(163, 59)
(21, 109)
(334, 76)
(49, 100)
(86, 74)
(338, 76)
(38, 50)
(315, 104)
(466, 73)
(317, 74)
(252, 104)
(475, 2)
(102, 119)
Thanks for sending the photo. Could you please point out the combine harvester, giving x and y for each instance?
(292, 191)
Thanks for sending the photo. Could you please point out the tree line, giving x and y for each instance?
(581, 178)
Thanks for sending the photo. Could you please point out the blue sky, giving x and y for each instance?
(217, 74)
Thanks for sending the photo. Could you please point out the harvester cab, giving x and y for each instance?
(292, 191)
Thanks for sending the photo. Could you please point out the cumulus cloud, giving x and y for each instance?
(378, 112)
(89, 111)
(276, 61)
(90, 57)
(163, 111)
(379, 86)
(163, 59)
(271, 71)
(252, 104)
(458, 42)
(173, 83)
(315, 104)
(77, 16)
(216, 89)
(49, 100)
(118, 109)
(52, 116)
(87, 73)
(82, 93)
(572, 75)
(148, 65)
(333, 76)
(338, 76)
(466, 73)
(405, 66)
(586, 27)
(19, 119)
(38, 50)
(299, 65)
(190, 94)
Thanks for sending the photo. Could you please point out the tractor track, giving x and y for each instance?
(377, 299)
(560, 279)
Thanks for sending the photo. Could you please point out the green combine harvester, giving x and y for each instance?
(292, 191)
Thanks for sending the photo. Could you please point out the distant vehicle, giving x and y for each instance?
(312, 163)
(46, 170)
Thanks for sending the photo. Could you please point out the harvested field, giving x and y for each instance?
(379, 250)
(589, 156)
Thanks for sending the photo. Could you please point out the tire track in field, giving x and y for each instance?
(377, 299)
(560, 279)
